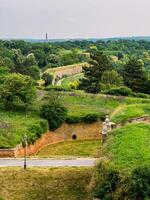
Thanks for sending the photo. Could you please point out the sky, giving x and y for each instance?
(74, 18)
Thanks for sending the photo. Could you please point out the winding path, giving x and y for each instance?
(79, 162)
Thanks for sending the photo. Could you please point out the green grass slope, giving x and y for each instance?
(129, 147)
(14, 125)
(66, 81)
(125, 112)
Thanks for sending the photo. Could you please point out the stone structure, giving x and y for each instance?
(64, 133)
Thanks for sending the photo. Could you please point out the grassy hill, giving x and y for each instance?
(129, 147)
(15, 124)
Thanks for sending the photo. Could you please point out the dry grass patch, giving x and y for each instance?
(45, 184)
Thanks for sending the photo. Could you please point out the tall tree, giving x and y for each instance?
(16, 91)
(53, 110)
(99, 63)
(135, 75)
(111, 79)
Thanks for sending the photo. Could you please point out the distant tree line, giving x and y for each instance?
(103, 76)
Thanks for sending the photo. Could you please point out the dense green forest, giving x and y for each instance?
(30, 58)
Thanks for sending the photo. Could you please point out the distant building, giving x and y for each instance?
(46, 37)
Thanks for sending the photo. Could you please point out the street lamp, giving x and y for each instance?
(25, 144)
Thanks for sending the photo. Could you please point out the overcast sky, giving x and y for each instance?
(74, 18)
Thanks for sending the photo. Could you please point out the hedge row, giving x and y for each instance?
(125, 91)
(57, 88)
(89, 118)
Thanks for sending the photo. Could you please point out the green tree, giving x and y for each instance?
(16, 91)
(30, 60)
(134, 75)
(53, 111)
(53, 60)
(40, 57)
(111, 79)
(48, 78)
(4, 71)
(33, 71)
(99, 63)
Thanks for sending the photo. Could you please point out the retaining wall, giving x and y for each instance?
(64, 133)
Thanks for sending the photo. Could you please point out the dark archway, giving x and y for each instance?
(74, 137)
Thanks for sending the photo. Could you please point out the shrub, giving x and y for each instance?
(106, 182)
(36, 130)
(141, 95)
(112, 184)
(74, 85)
(91, 118)
(73, 119)
(140, 183)
(48, 78)
(121, 91)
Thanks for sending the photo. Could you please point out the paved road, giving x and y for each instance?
(48, 163)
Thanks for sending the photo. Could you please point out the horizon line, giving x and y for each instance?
(73, 38)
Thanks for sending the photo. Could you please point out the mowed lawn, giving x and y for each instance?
(129, 147)
(45, 184)
(87, 148)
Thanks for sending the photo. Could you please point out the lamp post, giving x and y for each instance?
(25, 144)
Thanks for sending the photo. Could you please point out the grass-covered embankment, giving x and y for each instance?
(129, 147)
(87, 148)
(42, 184)
(125, 112)
(14, 125)
(66, 81)
(125, 173)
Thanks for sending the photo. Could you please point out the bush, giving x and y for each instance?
(125, 91)
(73, 119)
(74, 85)
(140, 184)
(48, 78)
(106, 182)
(121, 91)
(36, 130)
(141, 95)
(91, 118)
(111, 184)
(55, 114)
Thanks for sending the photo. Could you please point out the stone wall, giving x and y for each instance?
(144, 118)
(64, 133)
(46, 139)
(5, 153)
